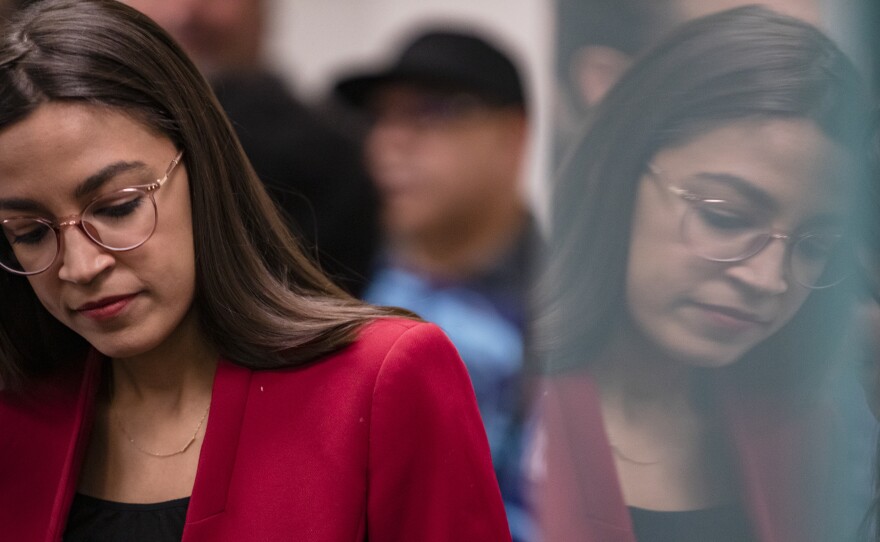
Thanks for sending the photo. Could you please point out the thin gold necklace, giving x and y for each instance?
(617, 452)
(184, 448)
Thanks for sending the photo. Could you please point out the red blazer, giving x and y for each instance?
(381, 441)
(579, 498)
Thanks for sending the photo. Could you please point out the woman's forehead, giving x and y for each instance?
(58, 137)
(64, 154)
(785, 163)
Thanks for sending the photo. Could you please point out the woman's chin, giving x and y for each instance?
(706, 355)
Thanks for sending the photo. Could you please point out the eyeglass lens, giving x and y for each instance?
(119, 221)
(718, 231)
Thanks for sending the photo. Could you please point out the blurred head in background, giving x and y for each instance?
(446, 145)
(219, 35)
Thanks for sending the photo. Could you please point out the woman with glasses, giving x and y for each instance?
(697, 283)
(173, 367)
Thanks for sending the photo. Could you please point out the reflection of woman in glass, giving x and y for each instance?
(871, 316)
(698, 278)
(174, 367)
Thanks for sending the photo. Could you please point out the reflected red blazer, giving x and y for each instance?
(779, 452)
(381, 441)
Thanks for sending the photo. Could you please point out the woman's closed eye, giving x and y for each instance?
(726, 218)
(117, 206)
(30, 235)
(818, 246)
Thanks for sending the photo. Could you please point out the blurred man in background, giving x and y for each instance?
(446, 151)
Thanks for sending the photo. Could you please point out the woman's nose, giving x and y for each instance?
(81, 259)
(765, 272)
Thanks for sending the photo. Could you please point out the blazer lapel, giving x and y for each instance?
(46, 431)
(775, 457)
(228, 399)
(580, 496)
(582, 499)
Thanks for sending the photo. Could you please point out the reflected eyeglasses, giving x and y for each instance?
(718, 230)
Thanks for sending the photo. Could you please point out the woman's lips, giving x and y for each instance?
(730, 319)
(105, 308)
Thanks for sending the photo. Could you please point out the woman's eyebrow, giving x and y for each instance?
(746, 188)
(89, 186)
(830, 219)
(93, 182)
(21, 204)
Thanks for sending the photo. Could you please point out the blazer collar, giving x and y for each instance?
(777, 455)
(228, 400)
(57, 418)
(769, 452)
(576, 442)
(47, 429)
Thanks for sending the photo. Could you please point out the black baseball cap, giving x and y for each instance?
(444, 59)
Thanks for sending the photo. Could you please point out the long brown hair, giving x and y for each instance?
(260, 301)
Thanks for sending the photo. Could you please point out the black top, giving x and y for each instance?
(718, 524)
(97, 520)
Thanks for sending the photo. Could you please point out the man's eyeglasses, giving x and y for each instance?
(429, 109)
(118, 221)
(720, 231)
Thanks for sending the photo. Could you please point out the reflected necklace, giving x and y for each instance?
(184, 448)
(620, 455)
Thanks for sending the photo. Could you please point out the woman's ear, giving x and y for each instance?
(595, 69)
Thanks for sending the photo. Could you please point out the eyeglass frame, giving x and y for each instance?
(693, 199)
(76, 220)
(456, 105)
